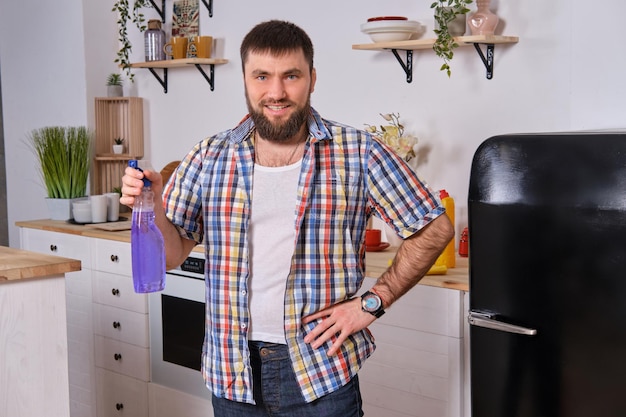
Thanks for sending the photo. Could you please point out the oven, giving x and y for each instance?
(177, 316)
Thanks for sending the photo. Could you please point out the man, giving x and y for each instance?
(281, 202)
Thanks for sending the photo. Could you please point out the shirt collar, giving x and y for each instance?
(317, 128)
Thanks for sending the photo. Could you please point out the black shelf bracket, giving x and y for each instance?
(209, 7)
(209, 78)
(487, 60)
(160, 11)
(408, 67)
(162, 81)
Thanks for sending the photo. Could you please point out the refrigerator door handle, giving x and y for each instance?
(481, 319)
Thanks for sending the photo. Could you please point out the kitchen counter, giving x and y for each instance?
(376, 262)
(33, 333)
(16, 264)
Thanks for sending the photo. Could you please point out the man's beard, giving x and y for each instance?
(282, 131)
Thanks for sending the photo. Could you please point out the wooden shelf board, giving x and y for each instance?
(428, 43)
(115, 157)
(177, 63)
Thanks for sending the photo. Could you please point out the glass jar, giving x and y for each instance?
(154, 41)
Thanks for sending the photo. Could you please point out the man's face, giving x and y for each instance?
(278, 92)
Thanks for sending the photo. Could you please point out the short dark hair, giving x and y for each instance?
(278, 38)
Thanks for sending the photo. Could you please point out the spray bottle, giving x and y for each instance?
(146, 241)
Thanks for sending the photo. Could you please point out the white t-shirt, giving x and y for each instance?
(272, 235)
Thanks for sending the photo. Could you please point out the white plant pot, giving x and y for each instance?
(118, 149)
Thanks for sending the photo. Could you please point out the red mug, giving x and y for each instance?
(372, 237)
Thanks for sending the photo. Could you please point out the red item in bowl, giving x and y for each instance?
(376, 19)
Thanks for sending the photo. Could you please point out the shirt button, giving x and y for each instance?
(244, 292)
(244, 326)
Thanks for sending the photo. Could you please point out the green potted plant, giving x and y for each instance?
(64, 156)
(115, 85)
(446, 14)
(126, 14)
(118, 146)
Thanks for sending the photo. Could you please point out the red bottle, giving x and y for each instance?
(464, 243)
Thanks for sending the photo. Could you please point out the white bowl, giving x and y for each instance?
(82, 215)
(390, 36)
(392, 30)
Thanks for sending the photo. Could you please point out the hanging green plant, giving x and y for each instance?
(125, 15)
(446, 11)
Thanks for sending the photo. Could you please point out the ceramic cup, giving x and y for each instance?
(98, 208)
(372, 237)
(113, 207)
(176, 47)
(81, 211)
(202, 46)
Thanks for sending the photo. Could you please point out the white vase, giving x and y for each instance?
(118, 149)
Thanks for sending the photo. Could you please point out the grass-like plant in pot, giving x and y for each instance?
(446, 11)
(64, 156)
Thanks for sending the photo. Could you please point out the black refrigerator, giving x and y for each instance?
(547, 247)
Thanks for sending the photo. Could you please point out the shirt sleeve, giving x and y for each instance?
(401, 199)
(182, 196)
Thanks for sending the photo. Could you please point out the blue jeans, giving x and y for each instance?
(277, 394)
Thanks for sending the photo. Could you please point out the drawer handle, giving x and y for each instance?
(114, 258)
(119, 406)
(116, 325)
(115, 291)
(53, 248)
(117, 356)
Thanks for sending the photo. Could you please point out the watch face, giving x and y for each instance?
(371, 302)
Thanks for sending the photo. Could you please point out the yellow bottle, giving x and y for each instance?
(448, 256)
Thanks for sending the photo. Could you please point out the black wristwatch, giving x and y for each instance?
(371, 303)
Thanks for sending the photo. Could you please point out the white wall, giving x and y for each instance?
(564, 74)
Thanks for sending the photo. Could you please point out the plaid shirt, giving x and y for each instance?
(345, 177)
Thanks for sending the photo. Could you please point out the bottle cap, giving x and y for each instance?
(154, 24)
(443, 194)
(134, 164)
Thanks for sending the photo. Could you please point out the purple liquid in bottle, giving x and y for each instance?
(146, 241)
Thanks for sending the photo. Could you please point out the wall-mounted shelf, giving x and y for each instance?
(179, 63)
(411, 45)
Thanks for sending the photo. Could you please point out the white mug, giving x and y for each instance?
(98, 208)
(113, 207)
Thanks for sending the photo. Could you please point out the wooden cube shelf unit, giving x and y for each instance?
(119, 117)
(116, 117)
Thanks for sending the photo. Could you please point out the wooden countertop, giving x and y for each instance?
(376, 262)
(17, 264)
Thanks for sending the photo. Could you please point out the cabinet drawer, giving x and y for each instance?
(123, 358)
(118, 291)
(119, 395)
(112, 256)
(123, 325)
(59, 244)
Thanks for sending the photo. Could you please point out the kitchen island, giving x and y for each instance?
(33, 335)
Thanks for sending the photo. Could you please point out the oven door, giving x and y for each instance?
(177, 317)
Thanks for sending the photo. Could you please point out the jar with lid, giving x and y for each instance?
(154, 41)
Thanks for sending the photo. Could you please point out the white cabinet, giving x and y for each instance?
(78, 289)
(119, 395)
(167, 402)
(122, 351)
(418, 367)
